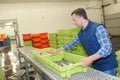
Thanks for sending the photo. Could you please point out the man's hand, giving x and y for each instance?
(88, 60)
(44, 52)
(56, 50)
(53, 51)
(85, 61)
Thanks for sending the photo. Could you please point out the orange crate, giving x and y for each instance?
(44, 45)
(3, 36)
(44, 35)
(36, 40)
(37, 44)
(44, 41)
(36, 35)
(38, 47)
(27, 37)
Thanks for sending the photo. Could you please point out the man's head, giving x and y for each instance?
(78, 16)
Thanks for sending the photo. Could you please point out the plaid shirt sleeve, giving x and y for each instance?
(104, 41)
(72, 43)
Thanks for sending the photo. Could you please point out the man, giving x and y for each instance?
(95, 40)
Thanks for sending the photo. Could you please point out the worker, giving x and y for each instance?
(95, 40)
(7, 43)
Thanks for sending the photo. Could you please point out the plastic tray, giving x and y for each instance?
(65, 71)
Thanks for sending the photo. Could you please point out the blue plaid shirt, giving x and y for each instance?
(103, 40)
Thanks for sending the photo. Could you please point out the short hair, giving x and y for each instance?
(80, 12)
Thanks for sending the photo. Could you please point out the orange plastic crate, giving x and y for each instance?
(37, 44)
(36, 35)
(44, 35)
(36, 40)
(3, 36)
(44, 45)
(27, 37)
(39, 47)
(44, 41)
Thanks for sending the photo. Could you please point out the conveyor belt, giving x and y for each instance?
(92, 74)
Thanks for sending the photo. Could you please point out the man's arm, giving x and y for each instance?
(104, 41)
(88, 60)
(67, 46)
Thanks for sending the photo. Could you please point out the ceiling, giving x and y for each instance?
(26, 1)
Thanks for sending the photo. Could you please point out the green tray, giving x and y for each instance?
(66, 71)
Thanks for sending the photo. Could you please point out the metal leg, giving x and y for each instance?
(26, 66)
(19, 57)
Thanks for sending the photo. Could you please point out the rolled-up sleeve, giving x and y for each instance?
(72, 43)
(104, 41)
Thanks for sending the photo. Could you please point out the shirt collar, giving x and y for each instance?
(83, 28)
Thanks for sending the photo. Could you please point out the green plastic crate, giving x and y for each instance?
(27, 43)
(65, 71)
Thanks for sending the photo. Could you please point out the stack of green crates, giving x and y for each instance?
(65, 36)
(65, 71)
(118, 59)
(79, 50)
(27, 43)
(53, 40)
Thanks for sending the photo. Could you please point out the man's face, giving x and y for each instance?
(77, 20)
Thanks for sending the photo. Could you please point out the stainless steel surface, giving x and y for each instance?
(92, 74)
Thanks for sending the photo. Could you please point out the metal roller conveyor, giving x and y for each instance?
(91, 74)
